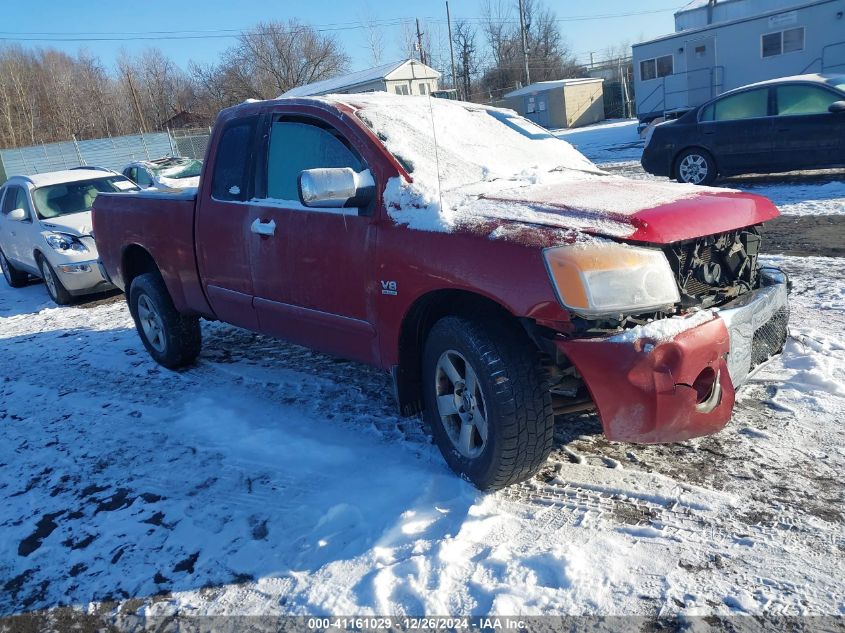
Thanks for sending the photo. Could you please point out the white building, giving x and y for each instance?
(408, 77)
(722, 45)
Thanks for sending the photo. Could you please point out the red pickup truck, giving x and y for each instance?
(497, 274)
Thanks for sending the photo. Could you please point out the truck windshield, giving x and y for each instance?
(453, 143)
(75, 197)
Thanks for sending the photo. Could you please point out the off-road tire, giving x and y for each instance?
(58, 293)
(520, 422)
(14, 277)
(703, 155)
(181, 338)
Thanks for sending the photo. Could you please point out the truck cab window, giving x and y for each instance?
(297, 146)
(230, 181)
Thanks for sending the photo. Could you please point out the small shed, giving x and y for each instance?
(406, 77)
(560, 103)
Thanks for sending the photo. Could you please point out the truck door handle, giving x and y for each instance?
(263, 228)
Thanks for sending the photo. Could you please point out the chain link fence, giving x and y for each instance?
(112, 152)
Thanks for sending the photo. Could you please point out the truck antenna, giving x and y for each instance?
(436, 153)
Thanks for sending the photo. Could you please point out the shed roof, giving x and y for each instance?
(542, 86)
(344, 82)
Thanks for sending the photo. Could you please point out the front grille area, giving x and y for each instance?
(770, 337)
(715, 269)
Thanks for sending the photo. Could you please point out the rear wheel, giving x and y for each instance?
(486, 401)
(695, 167)
(58, 293)
(14, 277)
(172, 339)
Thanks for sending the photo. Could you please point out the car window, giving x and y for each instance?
(796, 100)
(745, 105)
(16, 198)
(9, 200)
(295, 147)
(143, 178)
(233, 158)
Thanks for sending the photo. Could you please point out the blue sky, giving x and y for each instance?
(87, 19)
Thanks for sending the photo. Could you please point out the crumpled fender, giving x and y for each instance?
(644, 390)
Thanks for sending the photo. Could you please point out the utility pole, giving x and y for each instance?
(419, 42)
(524, 43)
(135, 100)
(452, 50)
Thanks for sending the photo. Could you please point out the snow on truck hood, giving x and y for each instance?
(471, 163)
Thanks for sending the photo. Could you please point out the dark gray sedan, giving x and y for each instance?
(774, 126)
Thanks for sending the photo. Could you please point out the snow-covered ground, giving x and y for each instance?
(616, 146)
(269, 479)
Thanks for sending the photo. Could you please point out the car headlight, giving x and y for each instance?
(63, 242)
(608, 279)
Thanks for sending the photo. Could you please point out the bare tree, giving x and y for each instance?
(373, 35)
(466, 52)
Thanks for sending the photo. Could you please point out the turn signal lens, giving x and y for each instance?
(609, 279)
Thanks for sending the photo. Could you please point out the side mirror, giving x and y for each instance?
(837, 107)
(336, 188)
(18, 215)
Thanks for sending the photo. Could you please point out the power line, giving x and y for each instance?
(187, 34)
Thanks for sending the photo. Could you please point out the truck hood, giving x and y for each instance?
(642, 211)
(76, 224)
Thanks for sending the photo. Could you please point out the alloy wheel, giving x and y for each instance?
(694, 169)
(460, 404)
(151, 323)
(4, 265)
(49, 279)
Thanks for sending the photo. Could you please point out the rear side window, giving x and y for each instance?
(296, 146)
(745, 105)
(797, 100)
(233, 161)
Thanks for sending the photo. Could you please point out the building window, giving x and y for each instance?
(401, 90)
(657, 67)
(781, 42)
(423, 89)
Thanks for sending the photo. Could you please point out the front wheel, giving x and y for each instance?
(696, 167)
(58, 293)
(14, 277)
(172, 339)
(486, 401)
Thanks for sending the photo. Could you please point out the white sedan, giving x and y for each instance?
(45, 230)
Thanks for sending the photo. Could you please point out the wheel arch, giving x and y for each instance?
(417, 323)
(136, 260)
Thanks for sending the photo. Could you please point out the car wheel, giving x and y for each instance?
(486, 401)
(172, 339)
(14, 277)
(55, 289)
(696, 167)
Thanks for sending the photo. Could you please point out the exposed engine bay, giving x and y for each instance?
(715, 269)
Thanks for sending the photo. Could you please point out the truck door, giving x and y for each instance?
(222, 224)
(311, 267)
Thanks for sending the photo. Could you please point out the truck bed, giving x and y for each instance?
(160, 223)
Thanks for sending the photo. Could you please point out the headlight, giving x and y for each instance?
(63, 242)
(607, 279)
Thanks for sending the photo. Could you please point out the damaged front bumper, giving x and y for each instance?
(654, 390)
